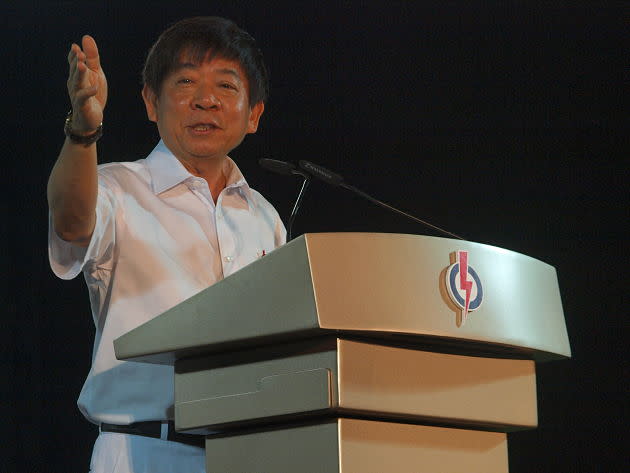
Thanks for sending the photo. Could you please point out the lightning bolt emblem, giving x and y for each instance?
(466, 295)
(464, 283)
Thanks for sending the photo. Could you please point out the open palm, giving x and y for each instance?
(87, 86)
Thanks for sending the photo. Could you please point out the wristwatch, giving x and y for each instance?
(81, 139)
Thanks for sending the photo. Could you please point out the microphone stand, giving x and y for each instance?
(298, 201)
(394, 209)
(311, 169)
(288, 169)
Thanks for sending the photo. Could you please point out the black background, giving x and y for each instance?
(501, 121)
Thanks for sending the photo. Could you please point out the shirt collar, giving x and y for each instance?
(167, 171)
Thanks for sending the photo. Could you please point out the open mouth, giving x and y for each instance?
(201, 127)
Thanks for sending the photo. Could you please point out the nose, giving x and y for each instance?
(205, 99)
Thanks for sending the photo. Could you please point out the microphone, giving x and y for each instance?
(333, 179)
(280, 167)
(321, 173)
(288, 169)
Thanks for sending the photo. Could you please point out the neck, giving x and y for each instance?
(211, 170)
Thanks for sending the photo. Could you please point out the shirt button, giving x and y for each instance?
(228, 259)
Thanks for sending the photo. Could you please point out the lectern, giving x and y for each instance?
(361, 353)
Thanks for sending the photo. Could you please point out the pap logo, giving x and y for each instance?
(463, 286)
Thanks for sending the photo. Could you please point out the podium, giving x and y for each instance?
(360, 353)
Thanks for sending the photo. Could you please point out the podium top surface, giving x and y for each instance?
(387, 286)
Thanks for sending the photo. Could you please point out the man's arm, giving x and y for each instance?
(73, 182)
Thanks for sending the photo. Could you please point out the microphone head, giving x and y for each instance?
(279, 167)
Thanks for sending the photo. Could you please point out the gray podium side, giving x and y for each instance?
(344, 353)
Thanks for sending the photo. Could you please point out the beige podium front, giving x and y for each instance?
(344, 353)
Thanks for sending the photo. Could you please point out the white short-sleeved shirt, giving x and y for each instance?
(158, 240)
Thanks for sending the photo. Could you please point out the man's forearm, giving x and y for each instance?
(72, 192)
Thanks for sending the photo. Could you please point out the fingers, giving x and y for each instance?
(78, 71)
(73, 58)
(90, 49)
(88, 55)
(80, 86)
(87, 86)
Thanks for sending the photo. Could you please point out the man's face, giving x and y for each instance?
(203, 110)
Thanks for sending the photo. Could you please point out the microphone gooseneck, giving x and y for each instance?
(336, 180)
(288, 169)
(310, 169)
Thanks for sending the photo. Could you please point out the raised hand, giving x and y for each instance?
(87, 86)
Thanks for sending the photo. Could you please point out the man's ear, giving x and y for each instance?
(254, 117)
(150, 102)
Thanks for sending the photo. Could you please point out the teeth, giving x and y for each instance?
(203, 127)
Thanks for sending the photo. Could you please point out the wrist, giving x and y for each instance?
(84, 137)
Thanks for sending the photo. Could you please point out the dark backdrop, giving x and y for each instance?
(501, 121)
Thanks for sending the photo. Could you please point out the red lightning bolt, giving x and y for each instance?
(463, 279)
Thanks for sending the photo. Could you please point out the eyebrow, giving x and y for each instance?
(231, 72)
(190, 65)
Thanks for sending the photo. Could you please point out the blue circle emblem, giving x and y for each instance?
(458, 294)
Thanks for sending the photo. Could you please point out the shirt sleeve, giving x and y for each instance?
(68, 260)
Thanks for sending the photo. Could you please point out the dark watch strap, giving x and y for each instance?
(81, 139)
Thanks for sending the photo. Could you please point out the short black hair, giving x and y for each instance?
(204, 36)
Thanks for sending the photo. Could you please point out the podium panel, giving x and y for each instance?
(353, 445)
(339, 376)
(376, 285)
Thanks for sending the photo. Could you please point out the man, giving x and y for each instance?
(151, 233)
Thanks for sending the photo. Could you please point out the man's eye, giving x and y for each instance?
(184, 80)
(228, 86)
